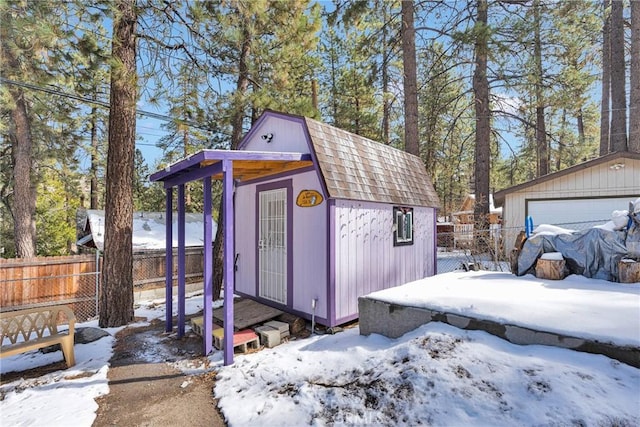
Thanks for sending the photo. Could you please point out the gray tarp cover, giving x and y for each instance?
(592, 253)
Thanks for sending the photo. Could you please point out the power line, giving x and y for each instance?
(103, 104)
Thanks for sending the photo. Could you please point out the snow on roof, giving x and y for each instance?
(149, 229)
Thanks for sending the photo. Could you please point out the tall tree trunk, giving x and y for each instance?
(93, 169)
(411, 142)
(242, 85)
(634, 78)
(561, 139)
(483, 129)
(116, 294)
(386, 102)
(618, 80)
(542, 148)
(23, 208)
(314, 95)
(605, 108)
(185, 151)
(334, 84)
(24, 195)
(580, 121)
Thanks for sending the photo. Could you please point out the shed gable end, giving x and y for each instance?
(276, 133)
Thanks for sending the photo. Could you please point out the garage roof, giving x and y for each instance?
(499, 196)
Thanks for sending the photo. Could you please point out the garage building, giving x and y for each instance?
(577, 197)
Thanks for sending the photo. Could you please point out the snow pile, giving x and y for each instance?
(551, 230)
(435, 375)
(620, 219)
(56, 396)
(552, 256)
(575, 306)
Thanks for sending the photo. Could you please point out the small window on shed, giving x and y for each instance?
(402, 226)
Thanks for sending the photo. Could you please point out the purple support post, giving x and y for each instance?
(208, 269)
(434, 212)
(181, 261)
(229, 285)
(169, 262)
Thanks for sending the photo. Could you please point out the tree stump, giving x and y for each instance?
(551, 266)
(515, 252)
(628, 271)
(296, 324)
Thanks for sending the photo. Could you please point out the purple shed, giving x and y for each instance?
(321, 216)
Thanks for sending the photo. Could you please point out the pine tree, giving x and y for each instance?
(605, 109)
(482, 33)
(360, 61)
(618, 79)
(116, 292)
(445, 127)
(634, 78)
(411, 142)
(38, 51)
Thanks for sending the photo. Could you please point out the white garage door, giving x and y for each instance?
(571, 211)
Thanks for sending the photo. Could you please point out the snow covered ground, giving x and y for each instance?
(434, 375)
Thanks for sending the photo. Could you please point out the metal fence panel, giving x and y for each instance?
(459, 249)
(75, 280)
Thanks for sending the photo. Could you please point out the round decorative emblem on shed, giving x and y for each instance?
(309, 198)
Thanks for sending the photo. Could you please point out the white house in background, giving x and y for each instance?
(149, 230)
(574, 197)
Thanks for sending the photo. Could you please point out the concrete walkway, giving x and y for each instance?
(146, 390)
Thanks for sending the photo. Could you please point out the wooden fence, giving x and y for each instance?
(41, 281)
(75, 280)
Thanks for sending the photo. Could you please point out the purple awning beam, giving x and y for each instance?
(194, 174)
(181, 165)
(181, 261)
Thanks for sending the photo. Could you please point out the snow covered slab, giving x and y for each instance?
(583, 314)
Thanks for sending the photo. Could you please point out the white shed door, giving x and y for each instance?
(272, 245)
(572, 211)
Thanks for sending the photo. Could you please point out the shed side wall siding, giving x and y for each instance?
(288, 136)
(597, 181)
(245, 242)
(365, 258)
(309, 251)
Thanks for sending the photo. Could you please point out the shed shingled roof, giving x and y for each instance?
(357, 168)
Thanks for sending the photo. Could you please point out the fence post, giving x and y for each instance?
(97, 280)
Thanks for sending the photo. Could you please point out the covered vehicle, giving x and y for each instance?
(592, 253)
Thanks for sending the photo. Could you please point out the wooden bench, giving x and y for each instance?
(35, 328)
